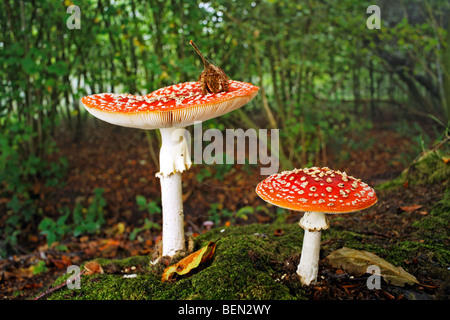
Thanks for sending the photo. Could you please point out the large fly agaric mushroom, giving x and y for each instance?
(170, 109)
(317, 191)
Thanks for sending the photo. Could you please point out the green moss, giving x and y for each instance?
(429, 169)
(430, 242)
(434, 231)
(246, 265)
(439, 217)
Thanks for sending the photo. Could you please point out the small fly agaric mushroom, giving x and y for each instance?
(170, 109)
(317, 191)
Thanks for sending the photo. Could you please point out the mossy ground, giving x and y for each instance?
(428, 169)
(247, 264)
(251, 262)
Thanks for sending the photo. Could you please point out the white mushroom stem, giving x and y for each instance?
(174, 158)
(313, 223)
(172, 215)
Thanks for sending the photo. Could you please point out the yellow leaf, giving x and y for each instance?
(164, 75)
(120, 227)
(190, 262)
(136, 42)
(93, 267)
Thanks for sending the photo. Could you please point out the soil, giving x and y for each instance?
(118, 160)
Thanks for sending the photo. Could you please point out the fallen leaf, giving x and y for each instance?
(23, 272)
(109, 243)
(33, 285)
(357, 261)
(411, 208)
(117, 229)
(406, 184)
(18, 273)
(92, 267)
(64, 262)
(190, 262)
(278, 232)
(33, 238)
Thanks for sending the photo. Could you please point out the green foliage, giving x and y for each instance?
(148, 225)
(203, 174)
(19, 170)
(152, 208)
(217, 211)
(55, 230)
(84, 220)
(91, 219)
(323, 74)
(218, 214)
(302, 53)
(217, 171)
(40, 267)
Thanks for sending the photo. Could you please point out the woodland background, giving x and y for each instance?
(344, 96)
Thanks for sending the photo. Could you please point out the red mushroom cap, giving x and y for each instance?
(316, 189)
(177, 105)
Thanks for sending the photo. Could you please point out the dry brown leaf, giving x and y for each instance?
(411, 208)
(278, 232)
(92, 267)
(64, 262)
(190, 262)
(18, 273)
(109, 244)
(357, 261)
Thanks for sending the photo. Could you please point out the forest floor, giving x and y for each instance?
(118, 160)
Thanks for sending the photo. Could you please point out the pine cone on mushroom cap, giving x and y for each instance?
(213, 79)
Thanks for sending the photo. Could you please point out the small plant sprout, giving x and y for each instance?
(317, 191)
(170, 110)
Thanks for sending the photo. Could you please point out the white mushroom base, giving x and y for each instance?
(313, 223)
(309, 261)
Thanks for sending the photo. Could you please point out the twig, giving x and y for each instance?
(43, 294)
